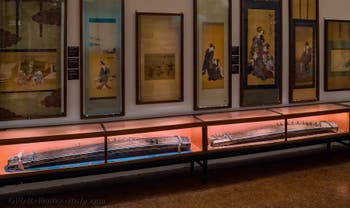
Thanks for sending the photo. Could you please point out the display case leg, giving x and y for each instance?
(329, 147)
(344, 143)
(204, 165)
(205, 172)
(192, 167)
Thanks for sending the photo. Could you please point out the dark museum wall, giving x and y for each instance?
(335, 9)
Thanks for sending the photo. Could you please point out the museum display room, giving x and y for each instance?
(93, 87)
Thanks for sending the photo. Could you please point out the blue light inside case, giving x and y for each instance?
(100, 162)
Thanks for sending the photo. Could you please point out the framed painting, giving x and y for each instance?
(102, 58)
(261, 32)
(213, 83)
(32, 59)
(337, 55)
(303, 69)
(159, 57)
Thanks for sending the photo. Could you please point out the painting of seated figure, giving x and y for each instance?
(29, 71)
(32, 59)
(213, 83)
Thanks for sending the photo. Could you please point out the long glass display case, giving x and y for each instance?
(278, 126)
(45, 151)
(152, 139)
(317, 121)
(82, 149)
(242, 129)
(30, 151)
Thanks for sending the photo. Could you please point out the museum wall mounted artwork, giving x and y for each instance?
(261, 46)
(162, 63)
(304, 67)
(32, 59)
(213, 82)
(159, 57)
(337, 55)
(102, 58)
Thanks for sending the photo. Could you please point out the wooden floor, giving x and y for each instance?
(303, 179)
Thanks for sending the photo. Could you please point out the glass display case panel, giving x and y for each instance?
(246, 134)
(102, 58)
(317, 126)
(261, 51)
(122, 127)
(237, 116)
(307, 109)
(45, 156)
(156, 144)
(212, 54)
(32, 59)
(50, 133)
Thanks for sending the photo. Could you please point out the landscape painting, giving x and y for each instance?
(160, 66)
(33, 24)
(337, 55)
(159, 57)
(30, 105)
(340, 60)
